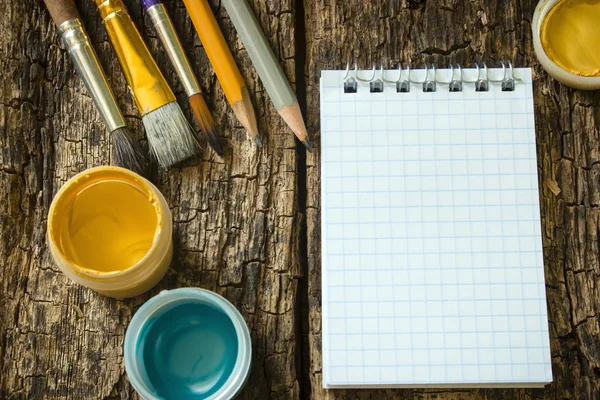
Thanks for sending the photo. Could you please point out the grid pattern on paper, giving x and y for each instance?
(431, 241)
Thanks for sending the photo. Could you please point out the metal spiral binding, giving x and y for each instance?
(430, 81)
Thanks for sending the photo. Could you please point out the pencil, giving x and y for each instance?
(224, 65)
(267, 66)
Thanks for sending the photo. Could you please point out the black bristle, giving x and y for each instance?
(128, 152)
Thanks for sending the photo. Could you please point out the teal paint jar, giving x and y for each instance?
(187, 343)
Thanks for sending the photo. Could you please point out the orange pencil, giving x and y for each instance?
(224, 65)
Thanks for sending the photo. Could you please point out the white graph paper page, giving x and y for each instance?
(432, 269)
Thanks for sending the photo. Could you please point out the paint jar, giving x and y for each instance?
(110, 229)
(566, 39)
(187, 343)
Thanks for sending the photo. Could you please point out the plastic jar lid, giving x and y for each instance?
(565, 77)
(153, 309)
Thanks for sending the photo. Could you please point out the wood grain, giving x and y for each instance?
(568, 152)
(235, 228)
(239, 225)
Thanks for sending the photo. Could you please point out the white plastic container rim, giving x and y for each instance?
(568, 78)
(116, 282)
(163, 302)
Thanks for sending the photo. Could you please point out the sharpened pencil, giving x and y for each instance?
(224, 65)
(267, 66)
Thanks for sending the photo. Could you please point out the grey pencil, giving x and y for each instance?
(267, 66)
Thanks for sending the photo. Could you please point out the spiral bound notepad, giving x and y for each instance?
(432, 268)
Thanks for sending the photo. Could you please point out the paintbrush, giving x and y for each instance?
(127, 152)
(166, 32)
(169, 134)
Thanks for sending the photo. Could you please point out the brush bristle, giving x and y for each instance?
(127, 152)
(170, 135)
(207, 125)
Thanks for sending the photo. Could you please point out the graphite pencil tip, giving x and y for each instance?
(307, 144)
(258, 141)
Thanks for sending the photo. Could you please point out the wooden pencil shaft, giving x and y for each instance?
(260, 52)
(218, 53)
(267, 66)
(245, 113)
(293, 118)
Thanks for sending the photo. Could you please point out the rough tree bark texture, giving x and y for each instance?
(238, 220)
(568, 160)
(236, 228)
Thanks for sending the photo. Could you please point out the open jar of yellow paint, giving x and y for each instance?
(566, 40)
(110, 229)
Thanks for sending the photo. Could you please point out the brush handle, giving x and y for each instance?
(149, 3)
(168, 36)
(150, 89)
(62, 10)
(66, 17)
(87, 65)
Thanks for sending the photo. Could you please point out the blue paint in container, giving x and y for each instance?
(187, 343)
(176, 367)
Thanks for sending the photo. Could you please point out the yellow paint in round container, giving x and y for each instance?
(566, 39)
(110, 229)
(570, 36)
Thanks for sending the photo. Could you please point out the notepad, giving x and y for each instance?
(432, 267)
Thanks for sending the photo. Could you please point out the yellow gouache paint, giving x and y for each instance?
(570, 36)
(111, 230)
(108, 224)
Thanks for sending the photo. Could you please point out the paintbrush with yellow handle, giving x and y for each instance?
(170, 135)
(127, 152)
(268, 67)
(166, 32)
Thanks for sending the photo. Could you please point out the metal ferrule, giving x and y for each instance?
(86, 63)
(149, 87)
(166, 31)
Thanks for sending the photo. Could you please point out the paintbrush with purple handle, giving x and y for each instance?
(166, 32)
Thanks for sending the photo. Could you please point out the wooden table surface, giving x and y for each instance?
(248, 226)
